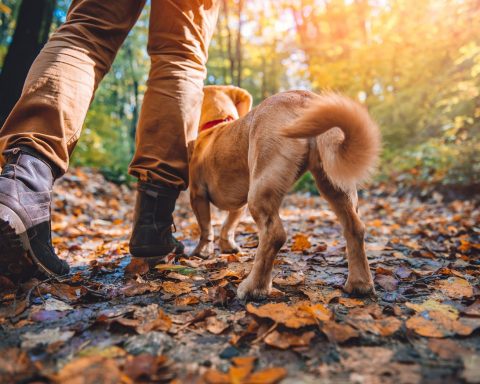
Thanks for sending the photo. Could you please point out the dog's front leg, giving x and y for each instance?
(272, 236)
(227, 233)
(201, 208)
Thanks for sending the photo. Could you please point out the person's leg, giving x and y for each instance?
(179, 35)
(59, 87)
(44, 125)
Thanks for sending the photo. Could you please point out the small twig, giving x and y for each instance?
(263, 335)
(37, 286)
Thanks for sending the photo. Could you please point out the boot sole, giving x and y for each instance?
(17, 259)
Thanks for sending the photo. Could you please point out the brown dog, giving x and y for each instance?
(255, 159)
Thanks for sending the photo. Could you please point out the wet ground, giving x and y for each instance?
(113, 320)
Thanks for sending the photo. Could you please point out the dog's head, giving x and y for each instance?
(223, 103)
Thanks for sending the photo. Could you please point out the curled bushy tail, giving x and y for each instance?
(347, 158)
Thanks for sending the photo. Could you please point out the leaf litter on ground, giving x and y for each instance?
(116, 319)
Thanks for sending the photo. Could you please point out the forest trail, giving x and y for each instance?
(117, 320)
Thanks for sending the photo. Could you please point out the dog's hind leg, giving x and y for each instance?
(201, 209)
(227, 233)
(345, 204)
(267, 190)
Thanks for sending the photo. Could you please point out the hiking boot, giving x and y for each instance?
(153, 221)
(25, 230)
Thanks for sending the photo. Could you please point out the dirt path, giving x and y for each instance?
(113, 320)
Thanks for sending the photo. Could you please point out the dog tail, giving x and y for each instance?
(348, 155)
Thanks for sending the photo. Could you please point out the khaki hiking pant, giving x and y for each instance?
(62, 80)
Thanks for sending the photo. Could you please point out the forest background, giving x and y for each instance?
(414, 64)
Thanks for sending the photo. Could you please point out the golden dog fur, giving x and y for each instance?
(254, 160)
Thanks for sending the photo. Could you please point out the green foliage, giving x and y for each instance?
(306, 183)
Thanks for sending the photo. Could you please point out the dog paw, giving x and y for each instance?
(203, 250)
(228, 246)
(359, 287)
(248, 290)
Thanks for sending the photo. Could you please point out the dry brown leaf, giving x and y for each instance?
(300, 243)
(455, 287)
(350, 302)
(134, 288)
(187, 300)
(339, 333)
(148, 368)
(267, 376)
(213, 376)
(318, 311)
(321, 294)
(241, 373)
(15, 366)
(293, 279)
(434, 305)
(176, 288)
(241, 369)
(294, 316)
(473, 310)
(447, 349)
(137, 267)
(365, 322)
(437, 324)
(238, 275)
(285, 340)
(163, 323)
(87, 370)
(215, 325)
(387, 282)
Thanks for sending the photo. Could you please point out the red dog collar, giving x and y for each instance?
(213, 123)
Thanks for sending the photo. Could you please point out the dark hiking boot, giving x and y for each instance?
(25, 232)
(153, 221)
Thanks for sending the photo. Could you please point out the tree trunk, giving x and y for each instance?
(31, 33)
(239, 44)
(231, 58)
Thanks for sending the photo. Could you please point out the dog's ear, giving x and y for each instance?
(241, 98)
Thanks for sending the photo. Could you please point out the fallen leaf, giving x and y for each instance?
(339, 333)
(47, 316)
(87, 370)
(148, 368)
(292, 279)
(472, 310)
(321, 294)
(365, 322)
(297, 315)
(434, 305)
(285, 340)
(447, 349)
(215, 325)
(437, 324)
(16, 366)
(187, 300)
(137, 267)
(455, 287)
(45, 337)
(268, 376)
(300, 243)
(350, 302)
(52, 304)
(108, 352)
(387, 282)
(177, 288)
